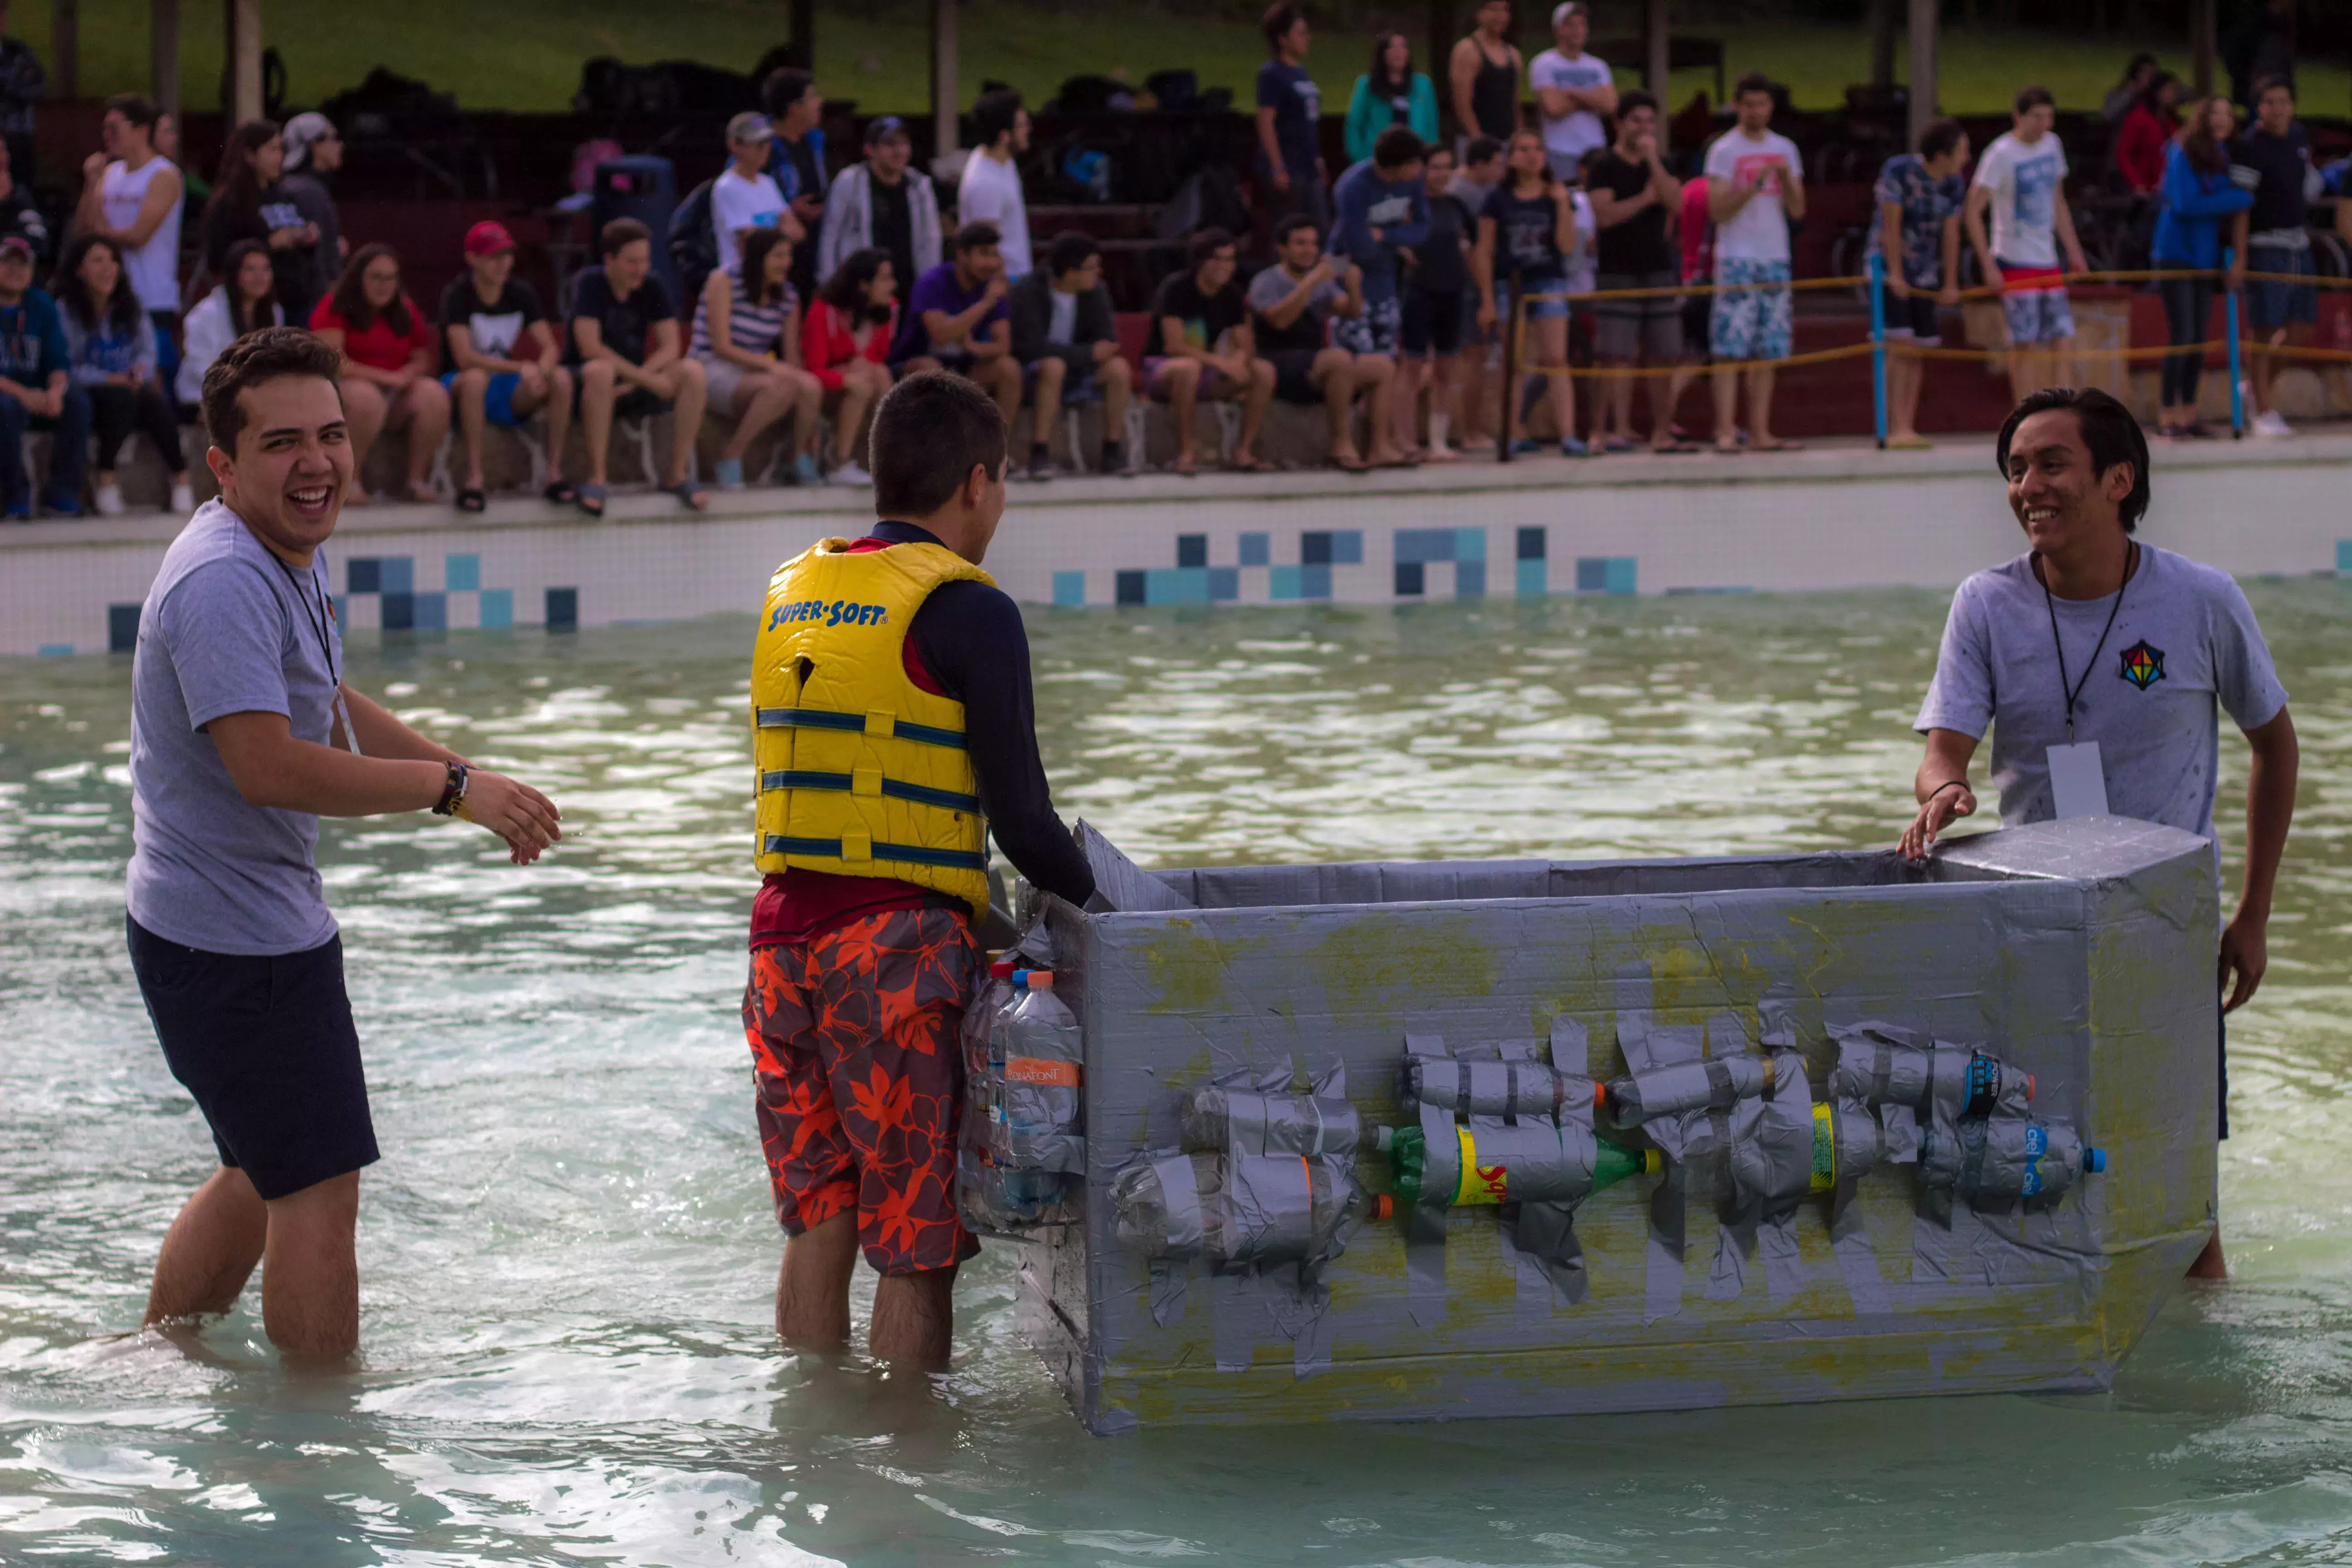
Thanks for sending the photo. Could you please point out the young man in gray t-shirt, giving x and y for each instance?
(242, 736)
(2099, 662)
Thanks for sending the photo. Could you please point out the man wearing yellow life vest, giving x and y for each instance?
(893, 732)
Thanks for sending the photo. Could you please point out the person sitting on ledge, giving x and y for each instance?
(504, 360)
(630, 365)
(387, 379)
(1066, 336)
(1208, 345)
(1290, 303)
(2098, 662)
(957, 320)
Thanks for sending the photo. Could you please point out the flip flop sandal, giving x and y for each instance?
(590, 499)
(694, 497)
(471, 498)
(560, 493)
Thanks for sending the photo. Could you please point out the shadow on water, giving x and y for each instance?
(568, 1247)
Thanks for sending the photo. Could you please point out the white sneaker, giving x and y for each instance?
(850, 474)
(2272, 424)
(183, 499)
(109, 501)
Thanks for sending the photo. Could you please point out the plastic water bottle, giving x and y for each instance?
(1044, 1137)
(1613, 1162)
(981, 1197)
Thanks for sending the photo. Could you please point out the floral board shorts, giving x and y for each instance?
(2033, 304)
(860, 1082)
(1755, 316)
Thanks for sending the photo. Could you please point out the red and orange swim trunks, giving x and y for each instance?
(854, 1053)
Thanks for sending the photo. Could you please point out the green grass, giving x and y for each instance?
(526, 54)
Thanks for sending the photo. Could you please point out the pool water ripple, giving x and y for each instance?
(568, 1250)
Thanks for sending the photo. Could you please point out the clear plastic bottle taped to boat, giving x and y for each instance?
(1249, 1123)
(982, 1197)
(1999, 1161)
(1237, 1210)
(1038, 1135)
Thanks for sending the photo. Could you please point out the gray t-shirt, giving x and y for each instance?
(227, 628)
(2184, 638)
(1271, 288)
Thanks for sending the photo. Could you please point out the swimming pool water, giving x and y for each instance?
(567, 1253)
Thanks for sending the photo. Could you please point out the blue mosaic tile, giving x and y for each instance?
(1315, 549)
(55, 650)
(1531, 544)
(563, 609)
(399, 612)
(1256, 549)
(2344, 555)
(1469, 579)
(1411, 581)
(1282, 582)
(463, 573)
(1069, 590)
(431, 612)
(1191, 550)
(1469, 544)
(497, 609)
(1128, 588)
(398, 573)
(1532, 579)
(1177, 585)
(1224, 584)
(1348, 547)
(1314, 581)
(1420, 544)
(362, 575)
(1605, 574)
(121, 628)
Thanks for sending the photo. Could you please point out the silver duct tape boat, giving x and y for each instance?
(2078, 952)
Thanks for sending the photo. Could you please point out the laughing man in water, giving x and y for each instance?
(242, 736)
(2098, 662)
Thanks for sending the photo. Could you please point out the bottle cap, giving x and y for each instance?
(1036, 979)
(1383, 1137)
(1001, 969)
(2094, 1161)
(1599, 1095)
(2029, 1086)
(1652, 1162)
(1383, 1206)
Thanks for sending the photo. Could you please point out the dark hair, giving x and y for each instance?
(752, 265)
(1070, 251)
(1205, 243)
(1396, 147)
(2262, 84)
(785, 86)
(1283, 227)
(2156, 85)
(122, 311)
(619, 232)
(242, 317)
(1480, 149)
(2031, 98)
(1635, 98)
(135, 106)
(1543, 174)
(350, 299)
(1940, 136)
(845, 290)
(2204, 150)
(930, 432)
(1752, 81)
(1280, 18)
(2133, 69)
(270, 354)
(995, 114)
(237, 184)
(975, 235)
(2107, 429)
(1379, 74)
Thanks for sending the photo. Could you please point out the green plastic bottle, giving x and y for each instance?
(1613, 1162)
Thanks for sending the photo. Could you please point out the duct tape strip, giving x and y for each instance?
(1571, 1046)
(1169, 1277)
(1857, 1262)
(1547, 1234)
(1424, 1247)
(1236, 1313)
(1662, 1296)
(1785, 1274)
(1245, 1116)
(1270, 1206)
(1312, 1328)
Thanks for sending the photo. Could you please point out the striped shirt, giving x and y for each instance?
(754, 329)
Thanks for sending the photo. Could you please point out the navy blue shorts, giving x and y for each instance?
(265, 1046)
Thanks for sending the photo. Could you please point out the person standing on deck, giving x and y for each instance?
(1484, 75)
(892, 731)
(243, 734)
(2098, 662)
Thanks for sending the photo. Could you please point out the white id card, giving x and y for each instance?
(2078, 784)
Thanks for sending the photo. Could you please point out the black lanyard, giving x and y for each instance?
(318, 618)
(2075, 690)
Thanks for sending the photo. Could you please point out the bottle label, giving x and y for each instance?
(2037, 1144)
(1824, 1177)
(1038, 1069)
(1479, 1184)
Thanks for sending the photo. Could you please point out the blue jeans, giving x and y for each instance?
(69, 450)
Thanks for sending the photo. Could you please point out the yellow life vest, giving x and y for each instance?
(862, 772)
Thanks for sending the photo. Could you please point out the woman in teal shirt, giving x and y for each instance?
(1394, 93)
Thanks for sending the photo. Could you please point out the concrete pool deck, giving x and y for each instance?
(1837, 515)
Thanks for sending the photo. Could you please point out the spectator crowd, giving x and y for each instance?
(807, 287)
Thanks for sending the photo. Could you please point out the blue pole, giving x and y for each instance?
(1877, 270)
(2237, 396)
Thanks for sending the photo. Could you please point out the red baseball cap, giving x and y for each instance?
(487, 239)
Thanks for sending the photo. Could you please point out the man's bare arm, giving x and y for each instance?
(2270, 807)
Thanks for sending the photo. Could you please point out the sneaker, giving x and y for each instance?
(1526, 446)
(1574, 447)
(851, 474)
(20, 511)
(1040, 466)
(109, 501)
(183, 499)
(62, 505)
(805, 470)
(727, 473)
(2270, 425)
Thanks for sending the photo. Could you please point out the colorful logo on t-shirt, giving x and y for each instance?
(2037, 184)
(2143, 666)
(1761, 169)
